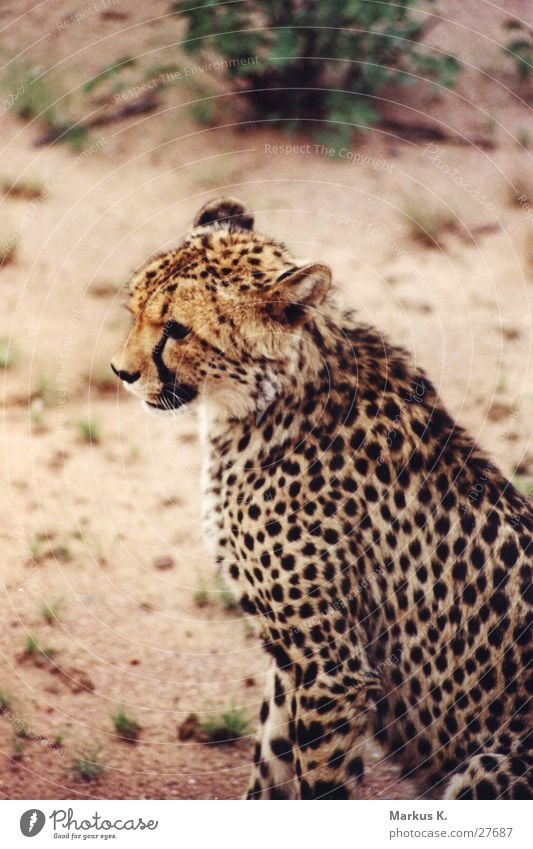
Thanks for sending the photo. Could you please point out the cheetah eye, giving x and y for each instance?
(175, 330)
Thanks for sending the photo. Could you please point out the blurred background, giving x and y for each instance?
(392, 142)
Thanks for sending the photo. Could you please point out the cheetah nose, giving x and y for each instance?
(126, 376)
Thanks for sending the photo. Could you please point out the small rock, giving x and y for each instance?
(113, 15)
(57, 459)
(412, 305)
(187, 438)
(190, 729)
(499, 410)
(171, 501)
(509, 332)
(103, 289)
(164, 562)
(77, 680)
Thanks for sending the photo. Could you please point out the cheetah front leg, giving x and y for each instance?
(331, 735)
(273, 772)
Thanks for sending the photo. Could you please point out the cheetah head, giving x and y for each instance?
(221, 318)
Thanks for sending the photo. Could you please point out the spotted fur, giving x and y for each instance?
(385, 556)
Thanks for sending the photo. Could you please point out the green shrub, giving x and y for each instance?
(88, 765)
(221, 593)
(35, 93)
(50, 612)
(520, 48)
(226, 596)
(296, 62)
(5, 702)
(8, 352)
(9, 245)
(18, 748)
(89, 430)
(33, 96)
(524, 484)
(125, 726)
(227, 727)
(109, 72)
(40, 654)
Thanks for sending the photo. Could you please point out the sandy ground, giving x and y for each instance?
(105, 530)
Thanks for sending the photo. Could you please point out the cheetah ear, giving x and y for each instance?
(297, 289)
(230, 212)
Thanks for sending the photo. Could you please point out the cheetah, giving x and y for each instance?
(384, 555)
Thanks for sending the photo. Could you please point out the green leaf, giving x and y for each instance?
(521, 51)
(284, 47)
(108, 72)
(237, 45)
(436, 68)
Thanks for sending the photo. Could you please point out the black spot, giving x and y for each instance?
(499, 603)
(325, 704)
(489, 531)
(459, 571)
(310, 675)
(287, 562)
(279, 654)
(356, 767)
(279, 692)
(282, 748)
(243, 442)
(330, 536)
(486, 790)
(273, 528)
(309, 736)
(488, 680)
(383, 473)
(509, 553)
(440, 590)
(357, 439)
(277, 592)
(469, 595)
(373, 451)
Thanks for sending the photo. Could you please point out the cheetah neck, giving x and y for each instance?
(285, 380)
(308, 378)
